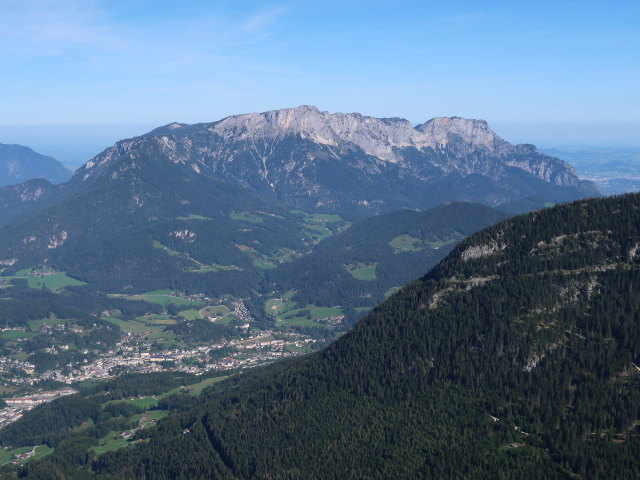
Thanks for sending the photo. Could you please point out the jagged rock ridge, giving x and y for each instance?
(354, 163)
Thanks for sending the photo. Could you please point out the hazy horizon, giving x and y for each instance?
(149, 63)
(73, 145)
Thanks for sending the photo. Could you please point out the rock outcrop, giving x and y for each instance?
(345, 162)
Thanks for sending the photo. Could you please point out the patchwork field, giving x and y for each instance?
(46, 278)
(362, 271)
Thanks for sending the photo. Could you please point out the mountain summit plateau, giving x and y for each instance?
(351, 163)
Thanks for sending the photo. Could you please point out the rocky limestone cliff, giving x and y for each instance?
(314, 159)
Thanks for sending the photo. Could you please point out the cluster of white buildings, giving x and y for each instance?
(16, 406)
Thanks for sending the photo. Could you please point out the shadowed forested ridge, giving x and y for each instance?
(516, 357)
(398, 247)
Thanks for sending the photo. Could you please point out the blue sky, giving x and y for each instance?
(551, 72)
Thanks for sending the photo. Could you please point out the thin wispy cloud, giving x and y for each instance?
(50, 28)
(86, 32)
(260, 24)
(157, 60)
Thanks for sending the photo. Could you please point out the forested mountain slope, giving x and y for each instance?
(147, 224)
(355, 268)
(516, 357)
(21, 200)
(19, 164)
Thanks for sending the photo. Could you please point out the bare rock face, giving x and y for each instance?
(344, 162)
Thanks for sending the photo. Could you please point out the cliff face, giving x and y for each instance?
(350, 162)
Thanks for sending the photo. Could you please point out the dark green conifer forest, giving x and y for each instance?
(515, 357)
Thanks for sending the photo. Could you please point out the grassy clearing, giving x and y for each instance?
(274, 305)
(84, 425)
(245, 217)
(143, 402)
(193, 216)
(165, 249)
(319, 232)
(54, 282)
(35, 325)
(162, 336)
(300, 321)
(214, 267)
(322, 225)
(263, 263)
(285, 310)
(7, 455)
(216, 310)
(189, 314)
(46, 278)
(362, 271)
(199, 267)
(146, 420)
(164, 298)
(281, 305)
(196, 388)
(309, 315)
(456, 237)
(362, 309)
(133, 326)
(324, 218)
(324, 312)
(41, 451)
(218, 313)
(259, 260)
(13, 335)
(278, 255)
(224, 320)
(282, 255)
(160, 292)
(162, 321)
(114, 440)
(406, 243)
(392, 291)
(111, 442)
(155, 320)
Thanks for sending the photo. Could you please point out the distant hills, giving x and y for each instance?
(19, 164)
(614, 170)
(515, 357)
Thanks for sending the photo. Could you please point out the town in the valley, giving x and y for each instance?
(146, 347)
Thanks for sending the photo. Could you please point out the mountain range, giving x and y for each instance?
(516, 355)
(266, 166)
(344, 163)
(19, 164)
(350, 163)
